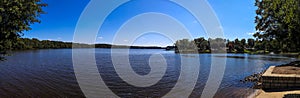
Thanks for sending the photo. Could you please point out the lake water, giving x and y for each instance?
(50, 73)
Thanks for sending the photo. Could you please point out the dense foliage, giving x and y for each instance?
(278, 22)
(15, 17)
(237, 46)
(205, 46)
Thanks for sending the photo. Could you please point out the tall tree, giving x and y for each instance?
(280, 20)
(251, 43)
(243, 42)
(15, 17)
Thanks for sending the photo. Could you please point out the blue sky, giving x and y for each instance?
(235, 16)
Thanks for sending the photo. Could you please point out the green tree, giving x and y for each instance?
(217, 45)
(15, 17)
(238, 45)
(251, 43)
(243, 42)
(185, 46)
(280, 20)
(201, 43)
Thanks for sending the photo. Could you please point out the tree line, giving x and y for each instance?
(201, 45)
(34, 43)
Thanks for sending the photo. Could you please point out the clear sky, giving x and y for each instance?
(235, 16)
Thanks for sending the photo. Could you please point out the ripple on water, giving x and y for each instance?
(49, 73)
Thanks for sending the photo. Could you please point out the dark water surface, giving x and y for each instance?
(49, 73)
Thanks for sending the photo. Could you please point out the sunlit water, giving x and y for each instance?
(49, 73)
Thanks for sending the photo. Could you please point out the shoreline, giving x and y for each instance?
(256, 79)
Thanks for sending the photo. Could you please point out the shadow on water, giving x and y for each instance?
(258, 57)
(281, 89)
